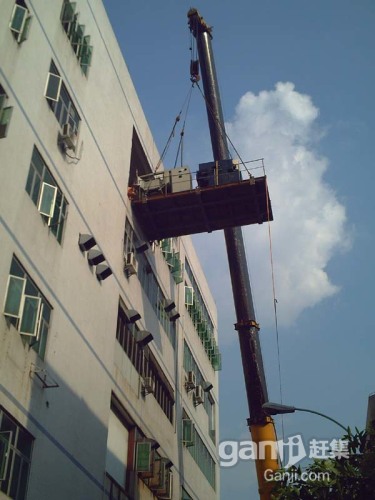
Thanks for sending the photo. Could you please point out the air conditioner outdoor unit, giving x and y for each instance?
(198, 395)
(166, 492)
(191, 381)
(149, 385)
(130, 263)
(160, 473)
(68, 136)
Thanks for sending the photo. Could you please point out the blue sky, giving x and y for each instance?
(297, 80)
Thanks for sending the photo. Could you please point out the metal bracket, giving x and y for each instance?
(41, 373)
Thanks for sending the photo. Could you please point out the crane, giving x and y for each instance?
(260, 424)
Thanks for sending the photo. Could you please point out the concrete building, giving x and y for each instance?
(108, 351)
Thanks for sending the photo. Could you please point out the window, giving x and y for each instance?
(20, 21)
(129, 239)
(15, 454)
(5, 113)
(173, 260)
(26, 308)
(202, 457)
(201, 319)
(46, 195)
(117, 449)
(209, 405)
(60, 100)
(157, 298)
(113, 490)
(148, 281)
(187, 432)
(144, 362)
(126, 334)
(76, 34)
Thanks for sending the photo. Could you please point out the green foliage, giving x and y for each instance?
(334, 478)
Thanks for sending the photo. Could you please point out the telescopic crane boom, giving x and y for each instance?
(261, 425)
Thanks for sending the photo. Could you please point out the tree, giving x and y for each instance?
(336, 478)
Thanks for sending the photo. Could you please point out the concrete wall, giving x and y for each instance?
(70, 422)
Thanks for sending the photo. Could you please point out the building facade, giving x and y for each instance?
(108, 343)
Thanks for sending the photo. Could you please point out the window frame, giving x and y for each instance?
(61, 103)
(189, 295)
(38, 175)
(86, 52)
(64, 21)
(38, 337)
(14, 476)
(5, 113)
(21, 33)
(187, 432)
(4, 461)
(144, 362)
(35, 331)
(76, 34)
(23, 309)
(10, 278)
(42, 199)
(53, 96)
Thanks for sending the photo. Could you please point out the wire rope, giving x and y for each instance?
(274, 297)
(177, 119)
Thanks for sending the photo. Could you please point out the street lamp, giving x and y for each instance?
(276, 409)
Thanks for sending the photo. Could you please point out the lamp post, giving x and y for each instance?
(277, 409)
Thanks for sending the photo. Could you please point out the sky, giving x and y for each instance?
(296, 80)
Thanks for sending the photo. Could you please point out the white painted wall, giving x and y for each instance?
(70, 422)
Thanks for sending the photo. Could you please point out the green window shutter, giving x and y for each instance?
(143, 459)
(176, 263)
(3, 98)
(17, 21)
(86, 54)
(77, 39)
(14, 295)
(5, 440)
(5, 118)
(53, 87)
(177, 269)
(30, 315)
(67, 13)
(216, 361)
(202, 331)
(166, 246)
(189, 296)
(209, 344)
(71, 27)
(169, 258)
(47, 200)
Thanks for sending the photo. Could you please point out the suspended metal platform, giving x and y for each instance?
(214, 204)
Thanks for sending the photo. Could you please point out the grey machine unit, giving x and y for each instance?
(166, 181)
(216, 173)
(180, 179)
(155, 182)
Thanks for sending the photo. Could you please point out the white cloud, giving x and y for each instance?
(309, 222)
